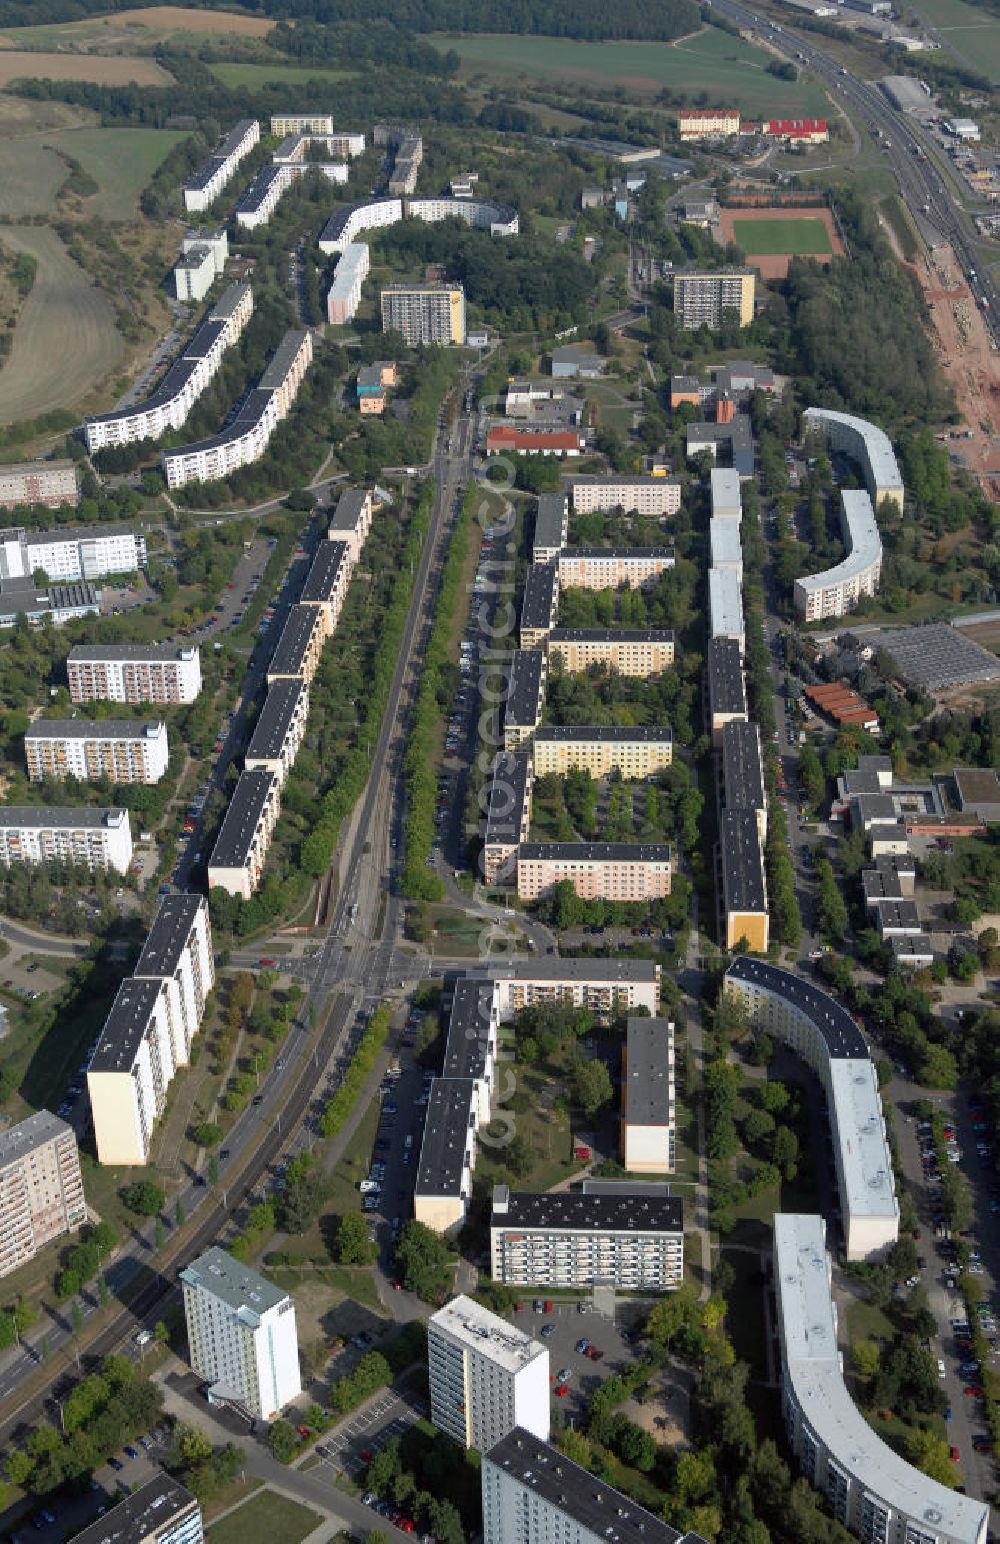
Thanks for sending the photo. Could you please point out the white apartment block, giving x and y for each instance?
(870, 1488)
(39, 482)
(241, 1335)
(300, 646)
(623, 1234)
(303, 123)
(205, 185)
(653, 496)
(121, 750)
(823, 1033)
(508, 816)
(280, 729)
(726, 548)
(649, 1098)
(158, 1512)
(246, 439)
(244, 839)
(178, 954)
(725, 606)
(837, 590)
(41, 1187)
(136, 673)
(72, 554)
(865, 443)
(261, 197)
(607, 568)
(326, 582)
(534, 1494)
(707, 122)
(37, 833)
(636, 753)
(724, 490)
(609, 871)
(498, 219)
(170, 402)
(351, 521)
(606, 987)
(486, 1376)
(344, 295)
(627, 651)
(347, 224)
(202, 261)
(309, 127)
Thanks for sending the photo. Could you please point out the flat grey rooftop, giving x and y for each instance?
(447, 1137)
(16, 1142)
(238, 1286)
(648, 1076)
(270, 733)
(936, 656)
(167, 939)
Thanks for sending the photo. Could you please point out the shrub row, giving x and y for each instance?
(362, 1062)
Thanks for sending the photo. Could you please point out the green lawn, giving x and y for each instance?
(973, 33)
(266, 1519)
(256, 76)
(121, 160)
(760, 238)
(710, 60)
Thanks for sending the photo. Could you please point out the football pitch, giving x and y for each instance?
(799, 238)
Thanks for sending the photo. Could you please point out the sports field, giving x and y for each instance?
(710, 60)
(65, 340)
(117, 70)
(256, 76)
(801, 238)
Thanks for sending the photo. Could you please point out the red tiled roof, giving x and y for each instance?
(519, 439)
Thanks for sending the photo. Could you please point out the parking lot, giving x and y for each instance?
(403, 1093)
(355, 1442)
(561, 1331)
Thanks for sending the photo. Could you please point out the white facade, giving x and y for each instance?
(822, 1032)
(261, 197)
(344, 294)
(73, 554)
(606, 987)
(241, 1335)
(725, 606)
(95, 838)
(870, 1488)
(727, 552)
(498, 219)
(244, 839)
(120, 750)
(865, 443)
(178, 953)
(194, 273)
(134, 673)
(343, 228)
(212, 177)
(727, 501)
(654, 496)
(171, 401)
(838, 589)
(486, 1376)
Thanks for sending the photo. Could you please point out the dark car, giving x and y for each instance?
(116, 1464)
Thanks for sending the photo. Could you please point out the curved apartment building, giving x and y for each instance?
(865, 443)
(838, 589)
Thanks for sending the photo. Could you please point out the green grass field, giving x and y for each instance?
(710, 60)
(256, 76)
(121, 160)
(761, 238)
(973, 33)
(266, 1519)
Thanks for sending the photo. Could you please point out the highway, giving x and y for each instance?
(351, 970)
(921, 183)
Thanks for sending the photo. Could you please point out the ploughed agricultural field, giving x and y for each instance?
(65, 340)
(118, 70)
(135, 28)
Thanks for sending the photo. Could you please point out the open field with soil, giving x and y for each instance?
(256, 76)
(65, 341)
(772, 237)
(17, 64)
(136, 28)
(709, 60)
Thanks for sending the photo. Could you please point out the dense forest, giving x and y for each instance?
(583, 19)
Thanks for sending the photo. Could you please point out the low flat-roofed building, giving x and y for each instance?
(46, 833)
(897, 919)
(160, 1511)
(447, 1154)
(241, 847)
(879, 886)
(534, 1494)
(627, 651)
(652, 496)
(279, 730)
(41, 1187)
(727, 695)
(539, 604)
(327, 580)
(744, 886)
(637, 753)
(121, 750)
(902, 867)
(631, 1241)
(607, 987)
(872, 1490)
(649, 1109)
(613, 568)
(55, 603)
(613, 871)
(725, 606)
(743, 771)
(724, 542)
(913, 950)
(820, 1030)
(508, 817)
(525, 697)
(551, 527)
(733, 436)
(298, 650)
(978, 790)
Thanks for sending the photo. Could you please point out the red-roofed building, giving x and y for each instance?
(803, 131)
(524, 442)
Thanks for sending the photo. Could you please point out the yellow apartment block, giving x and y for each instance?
(636, 753)
(630, 653)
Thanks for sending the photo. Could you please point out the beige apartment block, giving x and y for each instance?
(41, 1187)
(606, 871)
(609, 568)
(629, 652)
(636, 753)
